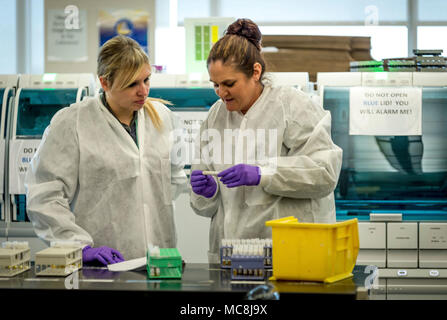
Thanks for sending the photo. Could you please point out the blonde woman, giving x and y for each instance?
(103, 173)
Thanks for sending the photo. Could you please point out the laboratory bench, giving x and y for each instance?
(201, 286)
(199, 282)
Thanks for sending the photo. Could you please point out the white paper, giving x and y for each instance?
(385, 111)
(20, 155)
(129, 265)
(65, 44)
(191, 122)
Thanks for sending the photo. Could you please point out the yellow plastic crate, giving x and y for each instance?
(313, 251)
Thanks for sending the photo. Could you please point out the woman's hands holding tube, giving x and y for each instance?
(240, 175)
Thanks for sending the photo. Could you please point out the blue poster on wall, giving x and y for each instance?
(130, 23)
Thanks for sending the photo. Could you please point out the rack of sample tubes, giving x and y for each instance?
(14, 258)
(164, 263)
(60, 259)
(247, 258)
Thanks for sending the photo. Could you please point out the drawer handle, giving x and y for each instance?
(434, 273)
(401, 273)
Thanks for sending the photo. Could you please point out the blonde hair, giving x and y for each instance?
(120, 61)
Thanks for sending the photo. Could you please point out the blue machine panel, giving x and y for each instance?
(186, 98)
(392, 174)
(38, 106)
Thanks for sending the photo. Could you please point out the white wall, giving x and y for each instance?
(192, 232)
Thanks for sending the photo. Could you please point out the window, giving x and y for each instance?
(432, 10)
(170, 49)
(8, 61)
(302, 11)
(193, 9)
(432, 38)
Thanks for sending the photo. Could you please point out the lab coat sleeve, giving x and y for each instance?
(179, 180)
(312, 165)
(206, 207)
(52, 180)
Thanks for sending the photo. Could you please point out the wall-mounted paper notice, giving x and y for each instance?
(191, 122)
(64, 41)
(382, 111)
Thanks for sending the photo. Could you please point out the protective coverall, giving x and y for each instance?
(90, 182)
(298, 174)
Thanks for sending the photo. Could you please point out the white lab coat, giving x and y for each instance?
(306, 167)
(89, 182)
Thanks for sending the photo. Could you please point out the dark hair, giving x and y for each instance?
(240, 46)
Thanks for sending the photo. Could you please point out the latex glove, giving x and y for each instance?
(104, 254)
(203, 185)
(240, 175)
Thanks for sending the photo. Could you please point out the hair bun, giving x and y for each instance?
(247, 29)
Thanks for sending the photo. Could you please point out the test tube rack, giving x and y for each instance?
(15, 258)
(164, 263)
(247, 262)
(60, 259)
(227, 246)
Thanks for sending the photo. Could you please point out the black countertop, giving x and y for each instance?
(203, 281)
(203, 288)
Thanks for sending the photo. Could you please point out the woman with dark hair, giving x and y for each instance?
(299, 173)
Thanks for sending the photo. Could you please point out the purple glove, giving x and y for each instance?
(105, 255)
(240, 175)
(203, 185)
